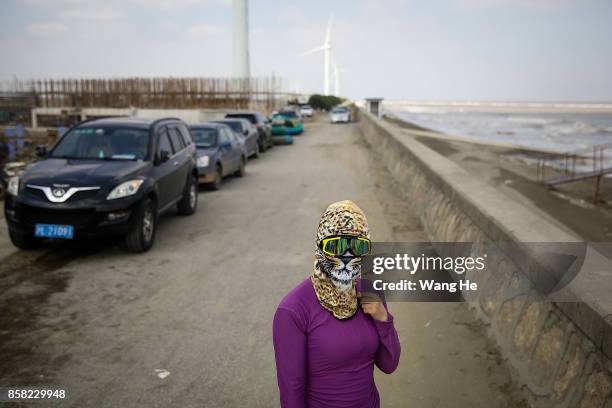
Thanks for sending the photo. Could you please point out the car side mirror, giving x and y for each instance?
(226, 144)
(245, 132)
(164, 156)
(41, 150)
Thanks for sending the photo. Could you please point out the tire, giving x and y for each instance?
(257, 150)
(242, 169)
(23, 241)
(189, 202)
(262, 145)
(142, 236)
(216, 185)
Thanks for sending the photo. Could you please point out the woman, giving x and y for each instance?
(325, 345)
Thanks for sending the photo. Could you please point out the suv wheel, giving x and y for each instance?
(262, 145)
(189, 202)
(216, 184)
(141, 238)
(242, 169)
(23, 241)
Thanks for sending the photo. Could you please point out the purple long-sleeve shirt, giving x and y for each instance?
(325, 362)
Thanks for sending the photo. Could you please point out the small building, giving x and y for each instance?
(374, 106)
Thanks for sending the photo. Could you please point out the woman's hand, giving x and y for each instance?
(375, 309)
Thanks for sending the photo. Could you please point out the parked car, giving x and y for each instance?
(340, 114)
(261, 123)
(290, 113)
(221, 152)
(245, 130)
(306, 111)
(111, 176)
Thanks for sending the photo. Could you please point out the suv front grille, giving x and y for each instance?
(36, 194)
(78, 218)
(82, 195)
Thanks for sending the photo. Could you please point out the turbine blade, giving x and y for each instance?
(312, 51)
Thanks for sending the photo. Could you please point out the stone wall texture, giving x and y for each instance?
(560, 352)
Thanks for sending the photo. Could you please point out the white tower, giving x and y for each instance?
(240, 39)
(337, 72)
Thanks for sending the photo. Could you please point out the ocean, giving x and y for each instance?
(555, 128)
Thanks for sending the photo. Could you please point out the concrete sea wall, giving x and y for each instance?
(560, 351)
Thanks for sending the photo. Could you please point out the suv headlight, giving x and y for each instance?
(125, 189)
(13, 186)
(203, 161)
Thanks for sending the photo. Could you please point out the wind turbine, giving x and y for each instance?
(337, 72)
(326, 48)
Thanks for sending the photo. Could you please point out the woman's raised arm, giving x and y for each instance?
(389, 350)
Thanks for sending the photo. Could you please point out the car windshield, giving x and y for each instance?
(103, 143)
(289, 114)
(248, 116)
(235, 125)
(339, 110)
(204, 137)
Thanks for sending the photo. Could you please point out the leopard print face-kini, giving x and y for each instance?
(334, 278)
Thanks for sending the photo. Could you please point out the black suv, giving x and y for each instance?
(261, 123)
(111, 176)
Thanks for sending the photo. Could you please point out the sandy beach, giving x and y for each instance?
(568, 205)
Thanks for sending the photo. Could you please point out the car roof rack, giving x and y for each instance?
(157, 121)
(83, 121)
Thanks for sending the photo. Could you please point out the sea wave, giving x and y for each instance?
(543, 130)
(473, 105)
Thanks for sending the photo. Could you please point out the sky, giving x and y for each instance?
(429, 50)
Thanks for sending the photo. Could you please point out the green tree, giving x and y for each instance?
(324, 102)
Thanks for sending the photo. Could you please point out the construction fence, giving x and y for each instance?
(153, 93)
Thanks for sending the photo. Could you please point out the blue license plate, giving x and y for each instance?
(54, 231)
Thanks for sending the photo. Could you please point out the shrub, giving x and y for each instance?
(324, 102)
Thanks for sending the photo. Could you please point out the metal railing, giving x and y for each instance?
(593, 162)
(576, 164)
